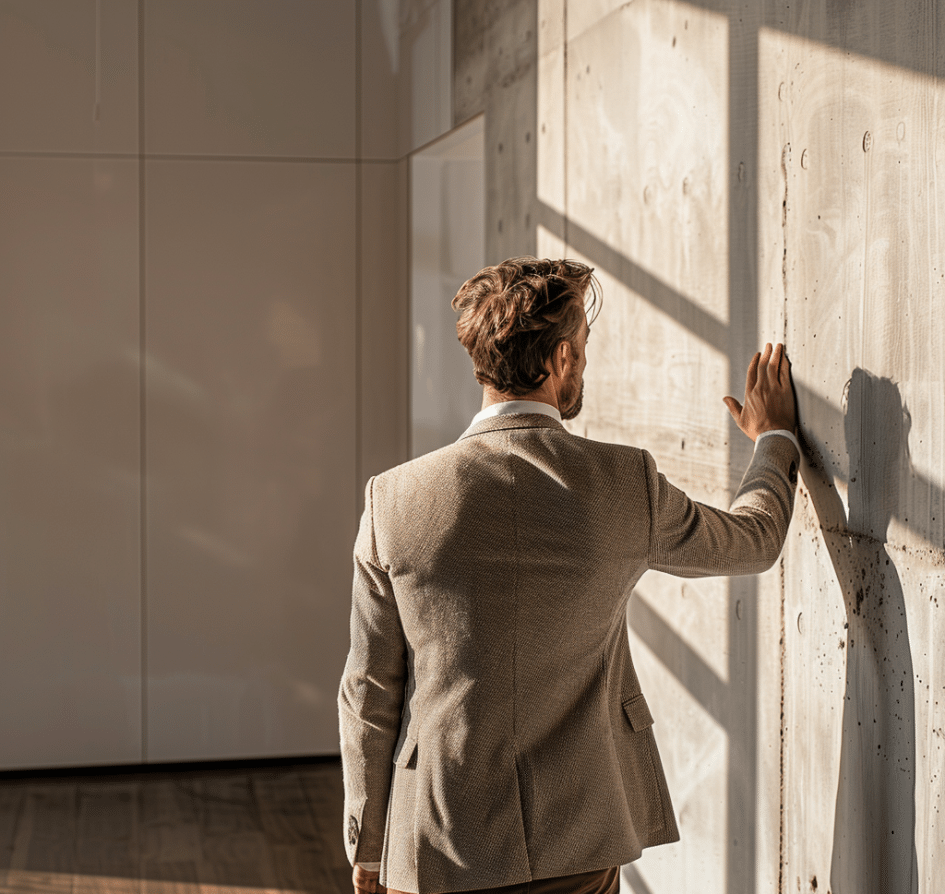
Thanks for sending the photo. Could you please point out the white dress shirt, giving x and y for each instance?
(517, 406)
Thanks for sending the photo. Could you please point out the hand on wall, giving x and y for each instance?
(769, 395)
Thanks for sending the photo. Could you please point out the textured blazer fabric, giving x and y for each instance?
(493, 729)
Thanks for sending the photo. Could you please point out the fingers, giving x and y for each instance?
(367, 882)
(779, 365)
(779, 370)
(785, 367)
(771, 362)
(764, 363)
(751, 377)
(774, 366)
(769, 398)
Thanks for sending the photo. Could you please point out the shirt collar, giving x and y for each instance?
(517, 406)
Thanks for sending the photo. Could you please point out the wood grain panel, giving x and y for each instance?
(284, 810)
(198, 832)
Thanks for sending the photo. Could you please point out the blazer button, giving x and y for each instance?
(352, 830)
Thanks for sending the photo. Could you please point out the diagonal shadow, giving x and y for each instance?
(679, 658)
(819, 414)
(651, 288)
(632, 876)
(873, 30)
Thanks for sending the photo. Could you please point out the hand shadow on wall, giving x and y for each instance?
(874, 824)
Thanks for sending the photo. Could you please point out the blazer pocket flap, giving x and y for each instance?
(403, 757)
(638, 713)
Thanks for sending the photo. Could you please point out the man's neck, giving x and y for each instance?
(545, 394)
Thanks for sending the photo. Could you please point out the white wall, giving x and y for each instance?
(447, 245)
(203, 287)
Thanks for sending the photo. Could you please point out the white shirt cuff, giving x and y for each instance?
(370, 867)
(784, 433)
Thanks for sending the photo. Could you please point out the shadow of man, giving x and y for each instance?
(874, 823)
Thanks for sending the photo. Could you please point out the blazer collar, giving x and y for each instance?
(511, 421)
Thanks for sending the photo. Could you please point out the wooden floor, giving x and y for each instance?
(200, 831)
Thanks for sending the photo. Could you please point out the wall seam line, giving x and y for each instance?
(197, 157)
(564, 123)
(359, 260)
(407, 222)
(142, 393)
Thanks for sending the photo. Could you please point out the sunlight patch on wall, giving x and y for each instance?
(647, 146)
(850, 242)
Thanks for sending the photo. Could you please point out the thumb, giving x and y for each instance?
(734, 407)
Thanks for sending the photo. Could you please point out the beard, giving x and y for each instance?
(572, 399)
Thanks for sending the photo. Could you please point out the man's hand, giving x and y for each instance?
(366, 882)
(769, 397)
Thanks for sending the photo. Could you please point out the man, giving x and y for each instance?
(494, 735)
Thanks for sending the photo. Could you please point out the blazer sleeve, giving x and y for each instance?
(690, 539)
(371, 697)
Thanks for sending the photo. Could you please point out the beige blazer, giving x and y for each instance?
(492, 725)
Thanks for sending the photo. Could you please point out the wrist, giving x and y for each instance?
(776, 426)
(779, 433)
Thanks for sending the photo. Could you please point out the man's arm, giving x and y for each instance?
(690, 539)
(370, 700)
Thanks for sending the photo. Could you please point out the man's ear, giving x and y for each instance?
(564, 354)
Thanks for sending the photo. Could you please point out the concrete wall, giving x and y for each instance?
(736, 173)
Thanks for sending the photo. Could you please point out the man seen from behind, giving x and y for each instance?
(494, 734)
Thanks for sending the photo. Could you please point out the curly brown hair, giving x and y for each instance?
(513, 315)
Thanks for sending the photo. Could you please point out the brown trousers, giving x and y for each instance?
(601, 881)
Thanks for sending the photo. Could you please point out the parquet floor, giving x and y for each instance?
(198, 831)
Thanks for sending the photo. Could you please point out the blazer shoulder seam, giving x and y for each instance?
(374, 555)
(648, 462)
